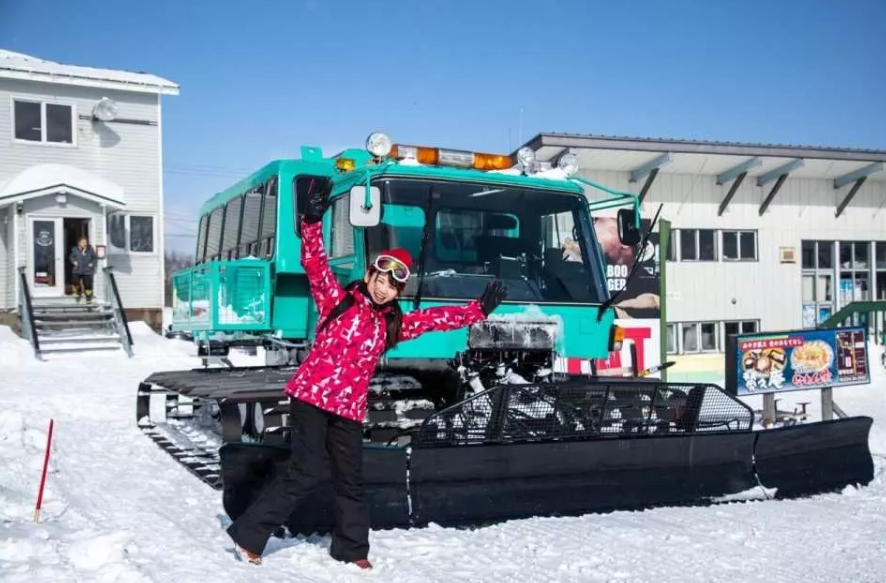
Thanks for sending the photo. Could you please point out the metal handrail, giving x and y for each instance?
(849, 310)
(116, 302)
(26, 311)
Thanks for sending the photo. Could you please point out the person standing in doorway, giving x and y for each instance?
(83, 258)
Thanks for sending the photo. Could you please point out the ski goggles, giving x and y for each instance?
(392, 265)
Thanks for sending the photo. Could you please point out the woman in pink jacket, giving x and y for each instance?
(356, 325)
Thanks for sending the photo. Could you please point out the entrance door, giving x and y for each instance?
(46, 268)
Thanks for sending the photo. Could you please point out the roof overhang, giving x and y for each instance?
(28, 68)
(45, 179)
(723, 160)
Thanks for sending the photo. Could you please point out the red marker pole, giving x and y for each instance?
(43, 477)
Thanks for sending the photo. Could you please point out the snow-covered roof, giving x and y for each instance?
(45, 179)
(20, 66)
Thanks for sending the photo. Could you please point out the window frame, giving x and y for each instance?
(741, 325)
(127, 229)
(231, 252)
(739, 234)
(341, 204)
(681, 349)
(669, 328)
(716, 254)
(267, 239)
(43, 125)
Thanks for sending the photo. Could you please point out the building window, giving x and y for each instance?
(817, 281)
(51, 123)
(698, 245)
(739, 245)
(739, 327)
(141, 234)
(698, 337)
(855, 277)
(671, 251)
(672, 338)
(131, 233)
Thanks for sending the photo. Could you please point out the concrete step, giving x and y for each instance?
(79, 347)
(84, 314)
(78, 338)
(73, 323)
(51, 307)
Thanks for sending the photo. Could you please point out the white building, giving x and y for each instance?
(69, 169)
(766, 237)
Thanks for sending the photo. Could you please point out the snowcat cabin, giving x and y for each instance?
(465, 217)
(246, 267)
(539, 242)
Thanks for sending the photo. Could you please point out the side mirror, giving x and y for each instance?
(365, 207)
(628, 233)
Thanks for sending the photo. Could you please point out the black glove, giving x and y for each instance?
(316, 205)
(492, 296)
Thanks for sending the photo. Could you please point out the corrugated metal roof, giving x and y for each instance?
(646, 144)
(18, 66)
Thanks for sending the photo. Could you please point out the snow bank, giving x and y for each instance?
(117, 508)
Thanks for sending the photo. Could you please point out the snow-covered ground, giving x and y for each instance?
(119, 509)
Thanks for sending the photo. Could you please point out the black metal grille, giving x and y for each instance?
(579, 409)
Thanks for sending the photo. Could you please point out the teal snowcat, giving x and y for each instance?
(469, 425)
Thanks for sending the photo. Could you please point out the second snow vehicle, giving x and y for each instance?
(470, 425)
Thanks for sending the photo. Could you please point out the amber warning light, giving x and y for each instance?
(458, 158)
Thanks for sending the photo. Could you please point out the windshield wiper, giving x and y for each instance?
(422, 254)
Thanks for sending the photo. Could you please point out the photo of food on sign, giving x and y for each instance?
(801, 360)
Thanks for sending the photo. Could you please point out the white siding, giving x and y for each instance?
(124, 153)
(765, 290)
(5, 253)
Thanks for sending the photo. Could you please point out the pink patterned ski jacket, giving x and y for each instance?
(335, 375)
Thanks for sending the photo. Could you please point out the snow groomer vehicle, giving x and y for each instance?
(470, 426)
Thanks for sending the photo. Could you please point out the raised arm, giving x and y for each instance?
(325, 289)
(452, 317)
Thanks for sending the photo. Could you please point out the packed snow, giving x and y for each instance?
(117, 508)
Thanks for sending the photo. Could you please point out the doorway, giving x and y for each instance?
(46, 268)
(73, 230)
(51, 240)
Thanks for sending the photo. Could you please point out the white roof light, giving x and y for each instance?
(378, 144)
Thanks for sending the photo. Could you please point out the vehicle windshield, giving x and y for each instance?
(539, 243)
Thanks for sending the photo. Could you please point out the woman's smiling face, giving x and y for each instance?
(382, 287)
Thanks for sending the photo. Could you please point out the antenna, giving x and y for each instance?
(520, 133)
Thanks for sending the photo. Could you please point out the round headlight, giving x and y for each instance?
(526, 156)
(378, 144)
(568, 163)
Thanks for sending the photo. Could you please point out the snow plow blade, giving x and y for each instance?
(566, 449)
(815, 458)
(481, 461)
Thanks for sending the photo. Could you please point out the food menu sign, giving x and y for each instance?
(799, 360)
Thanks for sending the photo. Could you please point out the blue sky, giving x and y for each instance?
(260, 79)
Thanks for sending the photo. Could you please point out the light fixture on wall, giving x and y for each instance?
(105, 110)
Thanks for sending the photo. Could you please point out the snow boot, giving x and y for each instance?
(363, 564)
(246, 556)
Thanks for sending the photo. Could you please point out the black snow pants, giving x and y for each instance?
(313, 432)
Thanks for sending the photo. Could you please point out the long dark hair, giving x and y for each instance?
(393, 318)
